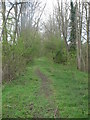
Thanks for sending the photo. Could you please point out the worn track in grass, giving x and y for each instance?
(46, 89)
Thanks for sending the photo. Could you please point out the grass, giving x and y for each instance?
(22, 98)
(0, 101)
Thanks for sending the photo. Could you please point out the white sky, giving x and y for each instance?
(50, 3)
(49, 6)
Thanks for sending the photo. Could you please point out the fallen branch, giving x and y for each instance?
(56, 112)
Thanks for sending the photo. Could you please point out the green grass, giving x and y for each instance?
(0, 101)
(23, 97)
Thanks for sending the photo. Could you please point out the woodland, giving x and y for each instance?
(45, 63)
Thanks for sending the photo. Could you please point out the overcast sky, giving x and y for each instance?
(49, 6)
(50, 3)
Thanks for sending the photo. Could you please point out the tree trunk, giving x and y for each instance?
(4, 23)
(16, 22)
(64, 28)
(78, 43)
(88, 38)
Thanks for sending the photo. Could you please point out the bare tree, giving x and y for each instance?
(64, 20)
(4, 19)
(87, 9)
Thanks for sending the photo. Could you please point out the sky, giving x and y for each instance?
(50, 3)
(49, 7)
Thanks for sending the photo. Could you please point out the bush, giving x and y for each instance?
(13, 62)
(61, 57)
(71, 59)
(15, 55)
(51, 45)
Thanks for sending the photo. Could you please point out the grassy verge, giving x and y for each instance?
(23, 98)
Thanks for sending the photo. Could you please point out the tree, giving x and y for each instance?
(82, 28)
(4, 19)
(18, 48)
(72, 38)
(64, 25)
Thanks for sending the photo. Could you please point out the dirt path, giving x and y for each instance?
(46, 89)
